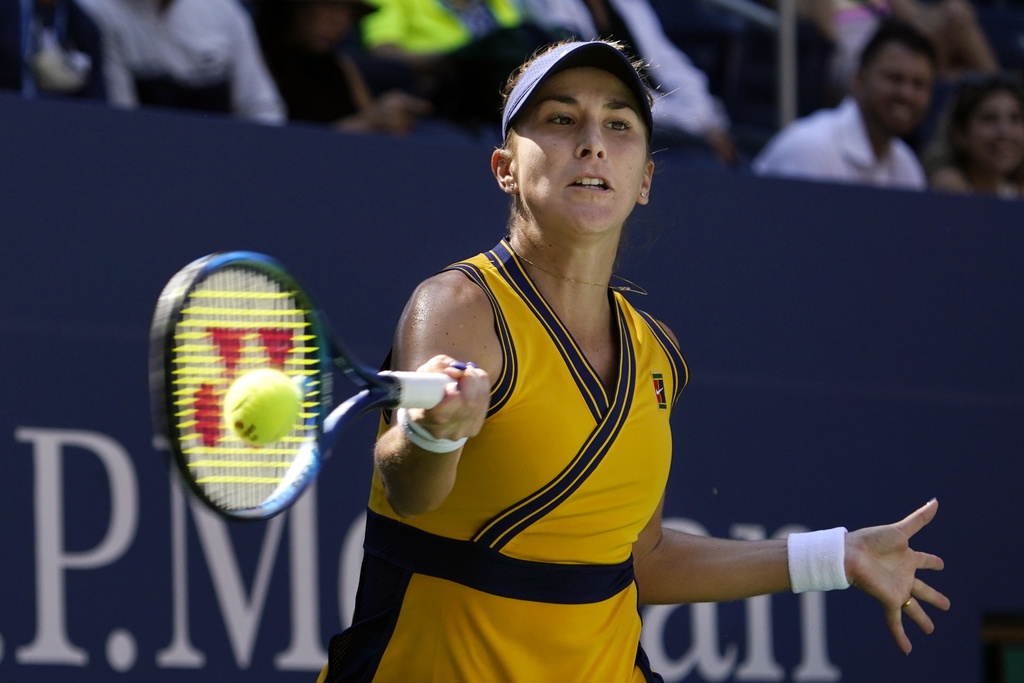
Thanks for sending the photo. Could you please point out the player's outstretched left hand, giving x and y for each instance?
(880, 561)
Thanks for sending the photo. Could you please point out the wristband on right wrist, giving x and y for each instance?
(421, 438)
(817, 560)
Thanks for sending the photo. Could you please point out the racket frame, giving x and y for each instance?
(374, 390)
(166, 317)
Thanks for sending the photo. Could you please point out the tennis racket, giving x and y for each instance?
(227, 314)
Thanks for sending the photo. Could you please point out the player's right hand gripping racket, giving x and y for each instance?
(225, 315)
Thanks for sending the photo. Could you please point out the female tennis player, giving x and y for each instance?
(514, 529)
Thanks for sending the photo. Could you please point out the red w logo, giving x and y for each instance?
(276, 343)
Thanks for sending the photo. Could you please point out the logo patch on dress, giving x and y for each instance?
(659, 390)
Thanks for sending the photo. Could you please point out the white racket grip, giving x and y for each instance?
(420, 389)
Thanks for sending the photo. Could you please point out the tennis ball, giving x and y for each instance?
(262, 406)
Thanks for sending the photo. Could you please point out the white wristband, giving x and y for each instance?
(421, 438)
(817, 560)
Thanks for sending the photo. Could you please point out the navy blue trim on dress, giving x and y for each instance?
(474, 565)
(644, 664)
(503, 527)
(591, 388)
(672, 351)
(502, 388)
(354, 654)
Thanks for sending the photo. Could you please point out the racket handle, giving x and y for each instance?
(419, 389)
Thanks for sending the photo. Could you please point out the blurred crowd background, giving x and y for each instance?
(936, 102)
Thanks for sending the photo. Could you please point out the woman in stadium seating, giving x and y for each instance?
(979, 145)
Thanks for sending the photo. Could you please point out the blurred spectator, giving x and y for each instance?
(979, 144)
(50, 47)
(191, 54)
(319, 83)
(951, 25)
(860, 140)
(456, 53)
(685, 104)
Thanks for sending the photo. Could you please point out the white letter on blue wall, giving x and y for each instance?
(51, 644)
(242, 609)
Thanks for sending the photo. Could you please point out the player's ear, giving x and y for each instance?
(503, 168)
(645, 186)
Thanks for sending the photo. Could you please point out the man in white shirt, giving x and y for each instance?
(860, 140)
(191, 54)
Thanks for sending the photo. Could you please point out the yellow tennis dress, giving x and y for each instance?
(525, 572)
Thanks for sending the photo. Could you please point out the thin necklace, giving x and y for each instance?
(630, 286)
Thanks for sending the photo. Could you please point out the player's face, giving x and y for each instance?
(579, 156)
(894, 90)
(994, 135)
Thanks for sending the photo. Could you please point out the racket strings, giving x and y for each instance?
(235, 321)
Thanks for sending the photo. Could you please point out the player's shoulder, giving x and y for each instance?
(665, 329)
(451, 288)
(644, 318)
(652, 321)
(452, 301)
(449, 314)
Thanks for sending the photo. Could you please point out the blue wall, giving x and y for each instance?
(854, 352)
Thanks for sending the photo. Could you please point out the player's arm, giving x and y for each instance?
(673, 567)
(447, 320)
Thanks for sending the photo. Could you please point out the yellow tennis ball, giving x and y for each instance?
(262, 406)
